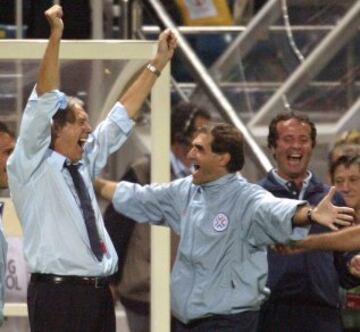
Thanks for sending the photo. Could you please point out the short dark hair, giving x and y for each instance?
(346, 161)
(5, 129)
(274, 135)
(183, 117)
(64, 116)
(227, 139)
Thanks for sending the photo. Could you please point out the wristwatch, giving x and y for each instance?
(153, 69)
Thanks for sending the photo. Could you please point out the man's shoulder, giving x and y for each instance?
(318, 189)
(268, 181)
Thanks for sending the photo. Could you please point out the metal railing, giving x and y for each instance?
(211, 88)
(346, 28)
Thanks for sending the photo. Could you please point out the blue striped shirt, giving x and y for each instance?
(55, 236)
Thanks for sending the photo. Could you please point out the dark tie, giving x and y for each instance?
(87, 210)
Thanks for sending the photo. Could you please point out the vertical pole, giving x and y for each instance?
(160, 172)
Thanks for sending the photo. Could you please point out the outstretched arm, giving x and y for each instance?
(325, 213)
(140, 89)
(105, 188)
(344, 240)
(48, 77)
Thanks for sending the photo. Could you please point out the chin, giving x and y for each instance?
(196, 181)
(199, 181)
(75, 159)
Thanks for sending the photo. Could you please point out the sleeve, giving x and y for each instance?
(271, 220)
(120, 229)
(35, 133)
(108, 136)
(156, 204)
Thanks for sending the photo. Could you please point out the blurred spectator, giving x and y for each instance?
(348, 143)
(131, 284)
(345, 175)
(7, 143)
(16, 278)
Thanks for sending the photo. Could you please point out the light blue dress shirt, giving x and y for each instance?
(55, 236)
(225, 227)
(3, 251)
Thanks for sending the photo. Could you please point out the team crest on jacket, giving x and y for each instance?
(221, 222)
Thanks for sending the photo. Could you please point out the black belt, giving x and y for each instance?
(96, 282)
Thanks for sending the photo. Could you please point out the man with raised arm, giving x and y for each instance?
(67, 248)
(225, 224)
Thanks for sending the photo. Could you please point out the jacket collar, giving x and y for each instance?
(271, 184)
(220, 181)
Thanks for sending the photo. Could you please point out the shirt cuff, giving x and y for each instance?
(120, 116)
(60, 96)
(300, 233)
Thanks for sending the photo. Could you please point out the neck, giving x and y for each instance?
(297, 180)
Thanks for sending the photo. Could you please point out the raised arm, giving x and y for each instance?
(325, 213)
(48, 77)
(140, 89)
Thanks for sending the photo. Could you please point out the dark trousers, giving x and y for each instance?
(298, 317)
(241, 322)
(70, 308)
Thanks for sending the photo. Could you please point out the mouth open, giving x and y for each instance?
(295, 158)
(81, 143)
(195, 168)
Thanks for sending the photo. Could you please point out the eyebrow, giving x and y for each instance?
(199, 147)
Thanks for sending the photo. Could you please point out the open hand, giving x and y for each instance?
(327, 214)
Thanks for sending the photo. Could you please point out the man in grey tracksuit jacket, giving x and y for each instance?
(225, 223)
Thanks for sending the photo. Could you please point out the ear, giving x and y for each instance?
(224, 159)
(272, 149)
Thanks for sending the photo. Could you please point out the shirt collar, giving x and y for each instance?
(220, 181)
(57, 160)
(283, 181)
